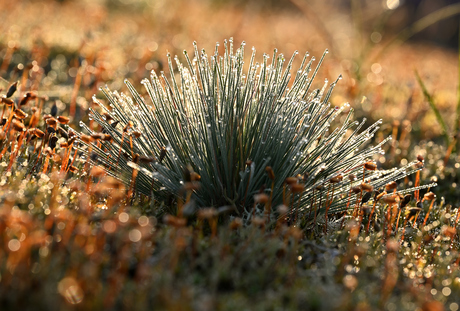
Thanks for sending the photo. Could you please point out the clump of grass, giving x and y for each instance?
(218, 133)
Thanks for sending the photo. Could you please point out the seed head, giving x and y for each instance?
(52, 142)
(336, 179)
(270, 172)
(449, 231)
(86, 139)
(195, 176)
(136, 134)
(390, 199)
(136, 158)
(145, 159)
(50, 130)
(236, 223)
(290, 181)
(96, 136)
(296, 233)
(97, 171)
(366, 187)
(297, 188)
(391, 186)
(366, 208)
(54, 110)
(207, 213)
(18, 126)
(52, 122)
(429, 196)
(261, 198)
(19, 114)
(162, 154)
(414, 210)
(72, 140)
(393, 246)
(63, 120)
(7, 101)
(129, 125)
(406, 200)
(191, 186)
(174, 221)
(108, 117)
(63, 133)
(48, 151)
(282, 209)
(114, 124)
(366, 197)
(39, 133)
(106, 137)
(26, 98)
(12, 89)
(258, 221)
(370, 166)
(356, 189)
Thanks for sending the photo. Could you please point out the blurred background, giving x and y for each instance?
(67, 49)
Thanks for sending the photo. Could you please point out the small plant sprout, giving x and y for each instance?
(257, 134)
(430, 196)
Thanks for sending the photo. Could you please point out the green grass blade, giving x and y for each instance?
(430, 100)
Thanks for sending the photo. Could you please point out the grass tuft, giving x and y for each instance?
(226, 122)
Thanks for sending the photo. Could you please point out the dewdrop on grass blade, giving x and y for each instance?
(218, 113)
